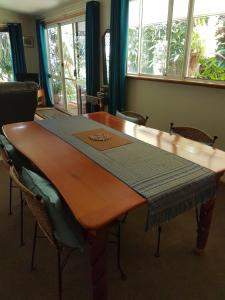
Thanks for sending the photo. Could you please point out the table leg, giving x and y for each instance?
(98, 262)
(205, 219)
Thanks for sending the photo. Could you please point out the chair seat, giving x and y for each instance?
(66, 228)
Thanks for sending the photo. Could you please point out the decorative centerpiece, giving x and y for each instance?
(100, 137)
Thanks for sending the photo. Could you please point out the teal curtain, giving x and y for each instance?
(118, 54)
(43, 61)
(17, 49)
(92, 50)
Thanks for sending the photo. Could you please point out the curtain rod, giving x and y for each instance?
(63, 18)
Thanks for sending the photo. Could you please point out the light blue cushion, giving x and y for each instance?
(66, 228)
(127, 118)
(5, 143)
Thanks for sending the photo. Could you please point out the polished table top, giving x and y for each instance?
(93, 194)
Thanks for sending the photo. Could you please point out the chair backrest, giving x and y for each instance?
(36, 205)
(193, 134)
(132, 117)
(84, 100)
(18, 102)
(94, 100)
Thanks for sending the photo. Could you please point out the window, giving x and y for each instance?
(6, 70)
(66, 60)
(177, 39)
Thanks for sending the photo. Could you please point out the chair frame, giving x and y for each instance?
(89, 99)
(8, 163)
(141, 119)
(36, 205)
(95, 100)
(197, 135)
(193, 134)
(117, 234)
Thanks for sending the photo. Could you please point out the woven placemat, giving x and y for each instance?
(102, 139)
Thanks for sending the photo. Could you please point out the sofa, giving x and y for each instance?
(18, 102)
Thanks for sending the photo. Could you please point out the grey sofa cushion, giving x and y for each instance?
(18, 102)
(16, 86)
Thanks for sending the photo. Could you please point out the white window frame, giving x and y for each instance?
(187, 47)
(3, 28)
(73, 20)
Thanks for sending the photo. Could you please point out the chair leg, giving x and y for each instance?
(124, 218)
(123, 275)
(34, 246)
(59, 274)
(10, 195)
(197, 216)
(158, 242)
(21, 219)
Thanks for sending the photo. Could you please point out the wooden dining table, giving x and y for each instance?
(94, 195)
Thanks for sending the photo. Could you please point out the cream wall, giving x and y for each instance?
(105, 15)
(195, 106)
(28, 28)
(104, 24)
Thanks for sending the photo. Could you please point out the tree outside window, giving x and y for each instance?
(6, 71)
(177, 39)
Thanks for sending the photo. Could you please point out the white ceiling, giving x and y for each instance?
(33, 7)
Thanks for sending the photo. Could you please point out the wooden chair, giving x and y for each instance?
(41, 97)
(132, 117)
(85, 100)
(195, 135)
(94, 100)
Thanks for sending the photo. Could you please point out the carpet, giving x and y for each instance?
(177, 275)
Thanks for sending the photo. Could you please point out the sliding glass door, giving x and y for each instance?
(6, 69)
(54, 60)
(66, 55)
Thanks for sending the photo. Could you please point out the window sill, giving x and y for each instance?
(195, 82)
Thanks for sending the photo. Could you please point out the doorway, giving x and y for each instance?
(66, 61)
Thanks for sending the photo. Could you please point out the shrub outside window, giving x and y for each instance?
(177, 39)
(6, 70)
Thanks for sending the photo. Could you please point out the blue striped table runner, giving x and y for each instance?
(170, 184)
